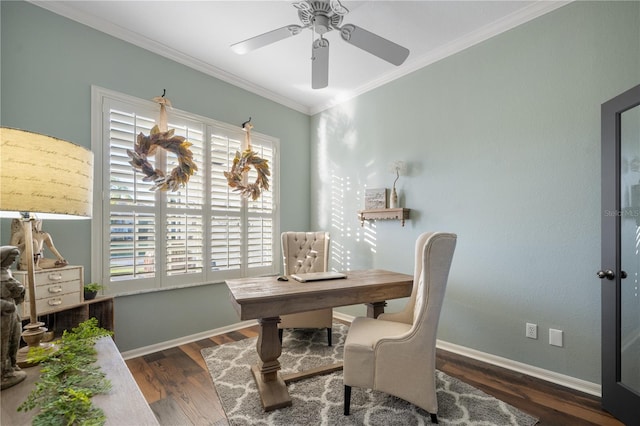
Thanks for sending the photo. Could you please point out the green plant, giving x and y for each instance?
(69, 379)
(93, 287)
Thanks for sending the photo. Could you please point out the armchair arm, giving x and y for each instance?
(402, 316)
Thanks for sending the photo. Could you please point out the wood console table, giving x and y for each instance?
(123, 405)
(266, 298)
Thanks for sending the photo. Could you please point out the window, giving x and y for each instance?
(146, 240)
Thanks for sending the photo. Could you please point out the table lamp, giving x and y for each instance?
(48, 177)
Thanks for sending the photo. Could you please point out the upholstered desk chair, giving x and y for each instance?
(306, 252)
(396, 353)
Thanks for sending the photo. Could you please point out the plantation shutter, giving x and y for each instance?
(226, 205)
(260, 228)
(132, 219)
(202, 233)
(184, 224)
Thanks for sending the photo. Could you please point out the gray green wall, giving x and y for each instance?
(503, 142)
(48, 66)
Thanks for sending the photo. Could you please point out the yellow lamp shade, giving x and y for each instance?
(44, 175)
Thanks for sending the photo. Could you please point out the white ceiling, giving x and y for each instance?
(199, 33)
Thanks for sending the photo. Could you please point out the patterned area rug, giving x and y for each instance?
(319, 400)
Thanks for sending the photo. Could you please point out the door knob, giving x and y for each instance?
(608, 274)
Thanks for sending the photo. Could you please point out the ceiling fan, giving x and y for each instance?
(321, 17)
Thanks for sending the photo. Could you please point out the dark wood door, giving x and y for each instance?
(620, 268)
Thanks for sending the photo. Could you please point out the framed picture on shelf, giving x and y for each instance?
(375, 198)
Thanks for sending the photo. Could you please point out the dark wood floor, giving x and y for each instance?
(177, 386)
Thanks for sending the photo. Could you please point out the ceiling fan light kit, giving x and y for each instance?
(321, 17)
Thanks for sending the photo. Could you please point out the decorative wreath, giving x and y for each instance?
(241, 164)
(146, 146)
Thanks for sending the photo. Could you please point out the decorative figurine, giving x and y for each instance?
(12, 295)
(40, 239)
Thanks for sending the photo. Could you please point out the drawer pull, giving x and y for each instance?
(55, 277)
(57, 289)
(55, 302)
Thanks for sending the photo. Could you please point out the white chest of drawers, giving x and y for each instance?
(56, 289)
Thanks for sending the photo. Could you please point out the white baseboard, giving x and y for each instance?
(187, 339)
(530, 370)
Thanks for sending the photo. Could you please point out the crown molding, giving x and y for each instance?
(535, 10)
(136, 39)
(507, 23)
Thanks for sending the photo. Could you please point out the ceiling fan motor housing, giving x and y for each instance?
(320, 16)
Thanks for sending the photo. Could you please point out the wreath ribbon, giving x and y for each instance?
(163, 120)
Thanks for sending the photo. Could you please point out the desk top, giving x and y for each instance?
(264, 297)
(123, 405)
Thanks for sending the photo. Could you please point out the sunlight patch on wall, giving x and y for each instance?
(335, 190)
(339, 232)
(370, 236)
(367, 231)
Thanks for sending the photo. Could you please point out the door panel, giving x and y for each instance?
(630, 238)
(620, 269)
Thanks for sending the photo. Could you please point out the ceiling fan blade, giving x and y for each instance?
(374, 44)
(320, 64)
(261, 40)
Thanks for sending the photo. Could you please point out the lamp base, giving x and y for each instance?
(32, 335)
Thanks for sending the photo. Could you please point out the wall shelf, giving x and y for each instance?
(383, 214)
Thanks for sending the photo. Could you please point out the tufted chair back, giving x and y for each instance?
(304, 252)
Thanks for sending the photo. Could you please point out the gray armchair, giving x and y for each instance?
(306, 252)
(396, 352)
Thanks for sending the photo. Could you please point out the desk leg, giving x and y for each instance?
(375, 309)
(272, 389)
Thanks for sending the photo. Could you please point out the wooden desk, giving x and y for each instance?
(266, 298)
(123, 405)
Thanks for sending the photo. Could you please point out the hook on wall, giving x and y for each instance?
(246, 122)
(164, 92)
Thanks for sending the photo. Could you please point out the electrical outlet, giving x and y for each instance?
(532, 331)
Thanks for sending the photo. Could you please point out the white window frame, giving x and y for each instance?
(100, 240)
